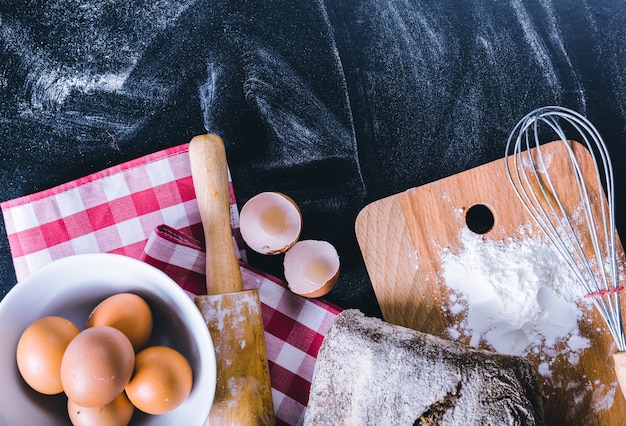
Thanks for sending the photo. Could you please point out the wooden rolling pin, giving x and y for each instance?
(243, 392)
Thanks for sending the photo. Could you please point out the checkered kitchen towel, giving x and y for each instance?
(146, 209)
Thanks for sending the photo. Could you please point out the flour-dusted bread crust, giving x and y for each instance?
(369, 372)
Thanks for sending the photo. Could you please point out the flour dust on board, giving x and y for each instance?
(518, 297)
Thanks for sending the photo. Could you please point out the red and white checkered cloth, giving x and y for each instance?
(146, 209)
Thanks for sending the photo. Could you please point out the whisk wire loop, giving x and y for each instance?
(573, 232)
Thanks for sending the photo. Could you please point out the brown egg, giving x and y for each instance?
(161, 382)
(127, 312)
(116, 413)
(96, 366)
(40, 351)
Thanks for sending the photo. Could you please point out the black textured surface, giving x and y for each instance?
(334, 103)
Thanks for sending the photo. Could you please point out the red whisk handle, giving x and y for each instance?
(605, 292)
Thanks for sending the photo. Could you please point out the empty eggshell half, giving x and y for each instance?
(311, 268)
(270, 223)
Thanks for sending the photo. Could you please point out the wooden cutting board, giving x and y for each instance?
(402, 238)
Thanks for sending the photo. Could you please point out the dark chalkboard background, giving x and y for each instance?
(335, 103)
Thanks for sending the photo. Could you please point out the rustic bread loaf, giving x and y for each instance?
(369, 372)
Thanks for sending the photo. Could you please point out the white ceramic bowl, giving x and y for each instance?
(71, 287)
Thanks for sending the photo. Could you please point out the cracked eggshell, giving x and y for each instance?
(311, 268)
(270, 223)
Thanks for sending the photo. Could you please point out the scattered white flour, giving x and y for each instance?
(603, 397)
(518, 296)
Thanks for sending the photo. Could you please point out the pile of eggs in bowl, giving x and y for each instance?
(106, 370)
(270, 224)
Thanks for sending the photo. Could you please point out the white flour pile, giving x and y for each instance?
(518, 297)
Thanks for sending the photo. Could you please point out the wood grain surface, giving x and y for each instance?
(402, 238)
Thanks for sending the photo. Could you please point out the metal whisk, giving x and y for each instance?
(591, 221)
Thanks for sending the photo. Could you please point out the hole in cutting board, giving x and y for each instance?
(479, 219)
